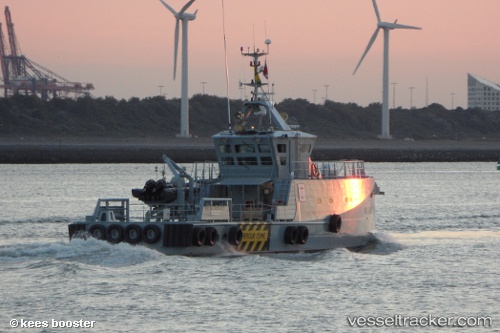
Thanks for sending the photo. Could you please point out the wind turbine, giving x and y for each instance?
(185, 18)
(386, 26)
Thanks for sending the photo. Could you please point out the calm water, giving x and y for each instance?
(438, 255)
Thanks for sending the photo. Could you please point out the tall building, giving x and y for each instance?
(483, 94)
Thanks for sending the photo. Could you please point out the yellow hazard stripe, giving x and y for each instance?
(255, 237)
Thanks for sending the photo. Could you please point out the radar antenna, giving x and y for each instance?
(227, 68)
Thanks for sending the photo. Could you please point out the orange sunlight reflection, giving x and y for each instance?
(354, 193)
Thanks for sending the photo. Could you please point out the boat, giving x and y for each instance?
(264, 194)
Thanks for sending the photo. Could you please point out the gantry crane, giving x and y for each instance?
(22, 75)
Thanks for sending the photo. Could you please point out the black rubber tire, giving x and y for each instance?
(98, 231)
(114, 233)
(199, 236)
(303, 234)
(151, 233)
(291, 235)
(335, 223)
(235, 235)
(212, 236)
(132, 234)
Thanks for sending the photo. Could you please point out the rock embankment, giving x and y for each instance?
(185, 151)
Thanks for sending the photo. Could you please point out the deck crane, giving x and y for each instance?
(22, 75)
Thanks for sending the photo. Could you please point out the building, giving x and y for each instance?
(483, 94)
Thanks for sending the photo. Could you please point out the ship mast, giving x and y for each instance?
(256, 82)
(260, 101)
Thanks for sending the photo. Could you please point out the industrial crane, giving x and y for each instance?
(22, 75)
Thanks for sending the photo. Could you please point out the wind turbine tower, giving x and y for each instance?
(387, 27)
(185, 18)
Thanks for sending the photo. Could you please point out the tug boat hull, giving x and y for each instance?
(351, 229)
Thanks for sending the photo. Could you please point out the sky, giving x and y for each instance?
(125, 47)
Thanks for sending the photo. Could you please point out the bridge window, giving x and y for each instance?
(245, 148)
(266, 160)
(247, 160)
(225, 148)
(264, 148)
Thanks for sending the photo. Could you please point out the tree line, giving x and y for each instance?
(158, 117)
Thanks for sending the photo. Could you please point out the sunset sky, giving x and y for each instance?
(125, 47)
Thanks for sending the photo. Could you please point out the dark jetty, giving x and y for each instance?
(201, 149)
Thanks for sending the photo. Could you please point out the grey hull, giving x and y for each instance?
(352, 230)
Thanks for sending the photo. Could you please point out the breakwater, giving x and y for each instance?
(202, 150)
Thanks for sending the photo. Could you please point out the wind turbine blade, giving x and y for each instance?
(402, 26)
(186, 6)
(376, 10)
(168, 7)
(176, 45)
(370, 43)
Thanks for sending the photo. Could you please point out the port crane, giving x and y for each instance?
(21, 75)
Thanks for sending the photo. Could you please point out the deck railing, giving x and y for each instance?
(227, 212)
(334, 169)
(208, 171)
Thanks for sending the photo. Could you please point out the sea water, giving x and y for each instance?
(435, 265)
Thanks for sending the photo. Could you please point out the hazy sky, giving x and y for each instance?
(125, 47)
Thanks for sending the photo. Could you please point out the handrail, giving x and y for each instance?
(208, 171)
(330, 170)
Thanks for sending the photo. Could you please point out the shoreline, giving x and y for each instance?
(201, 149)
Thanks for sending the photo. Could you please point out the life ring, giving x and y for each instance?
(291, 235)
(151, 233)
(314, 170)
(211, 236)
(114, 233)
(199, 236)
(132, 234)
(303, 234)
(235, 235)
(335, 223)
(98, 231)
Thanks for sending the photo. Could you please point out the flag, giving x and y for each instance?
(265, 70)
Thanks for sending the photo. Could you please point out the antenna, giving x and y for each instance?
(426, 91)
(266, 71)
(253, 31)
(227, 68)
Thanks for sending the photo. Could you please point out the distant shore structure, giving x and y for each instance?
(21, 75)
(483, 94)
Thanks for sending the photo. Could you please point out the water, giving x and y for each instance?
(437, 255)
